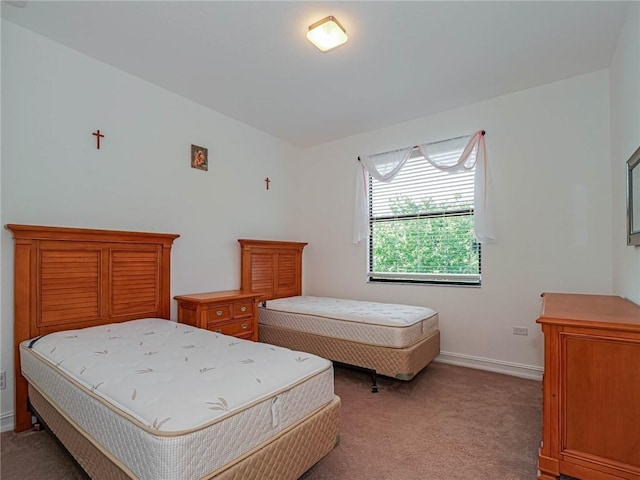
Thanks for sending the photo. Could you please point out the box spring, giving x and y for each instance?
(400, 363)
(285, 457)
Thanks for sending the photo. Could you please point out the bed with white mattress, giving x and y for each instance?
(189, 401)
(388, 339)
(133, 395)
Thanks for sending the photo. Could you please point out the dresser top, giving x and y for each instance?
(608, 311)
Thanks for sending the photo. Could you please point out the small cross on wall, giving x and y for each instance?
(98, 136)
(267, 181)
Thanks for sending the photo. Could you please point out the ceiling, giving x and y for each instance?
(251, 61)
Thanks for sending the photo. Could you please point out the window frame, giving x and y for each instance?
(466, 280)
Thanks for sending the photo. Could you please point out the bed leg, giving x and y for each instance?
(374, 374)
(37, 423)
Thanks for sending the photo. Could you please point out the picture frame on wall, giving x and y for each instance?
(199, 158)
(633, 199)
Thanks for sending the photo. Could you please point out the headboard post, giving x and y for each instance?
(23, 319)
(67, 278)
(271, 268)
(165, 282)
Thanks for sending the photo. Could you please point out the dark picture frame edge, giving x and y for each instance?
(633, 199)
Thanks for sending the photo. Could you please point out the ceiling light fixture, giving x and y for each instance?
(327, 34)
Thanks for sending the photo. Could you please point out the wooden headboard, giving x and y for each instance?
(67, 278)
(272, 268)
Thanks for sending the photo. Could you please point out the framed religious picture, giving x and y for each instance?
(199, 158)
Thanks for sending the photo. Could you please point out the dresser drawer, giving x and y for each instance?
(218, 313)
(244, 309)
(234, 329)
(245, 336)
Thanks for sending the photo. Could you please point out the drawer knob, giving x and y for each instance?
(219, 313)
(218, 331)
(244, 326)
(243, 309)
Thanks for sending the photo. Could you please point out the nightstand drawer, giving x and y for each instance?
(234, 328)
(244, 309)
(218, 313)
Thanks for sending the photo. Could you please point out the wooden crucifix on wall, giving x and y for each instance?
(98, 136)
(267, 182)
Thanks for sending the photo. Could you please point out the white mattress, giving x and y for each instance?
(170, 401)
(382, 324)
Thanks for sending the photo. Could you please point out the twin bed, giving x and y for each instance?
(133, 395)
(388, 339)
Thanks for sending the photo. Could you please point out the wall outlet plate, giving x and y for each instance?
(520, 331)
(3, 380)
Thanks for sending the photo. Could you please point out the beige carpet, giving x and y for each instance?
(448, 423)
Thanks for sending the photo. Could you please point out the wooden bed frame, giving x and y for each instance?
(68, 278)
(274, 269)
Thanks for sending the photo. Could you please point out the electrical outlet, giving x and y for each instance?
(3, 380)
(521, 331)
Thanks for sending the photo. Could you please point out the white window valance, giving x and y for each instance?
(385, 166)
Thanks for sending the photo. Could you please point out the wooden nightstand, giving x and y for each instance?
(231, 312)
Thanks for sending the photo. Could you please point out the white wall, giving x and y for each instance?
(140, 179)
(624, 88)
(548, 152)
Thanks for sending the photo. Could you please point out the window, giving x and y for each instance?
(421, 225)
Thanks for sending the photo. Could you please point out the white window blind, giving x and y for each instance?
(421, 224)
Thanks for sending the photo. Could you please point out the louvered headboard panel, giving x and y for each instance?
(67, 278)
(135, 285)
(69, 286)
(271, 268)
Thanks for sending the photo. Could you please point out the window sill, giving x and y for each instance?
(430, 283)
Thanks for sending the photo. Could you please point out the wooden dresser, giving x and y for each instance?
(591, 400)
(231, 312)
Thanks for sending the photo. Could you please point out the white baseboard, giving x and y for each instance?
(6, 422)
(491, 365)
